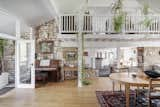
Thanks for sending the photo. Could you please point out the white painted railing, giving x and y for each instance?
(105, 24)
(69, 23)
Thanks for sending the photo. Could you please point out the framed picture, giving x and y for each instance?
(85, 53)
(46, 47)
(70, 55)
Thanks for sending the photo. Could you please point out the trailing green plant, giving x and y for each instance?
(147, 21)
(145, 9)
(2, 43)
(119, 16)
(117, 7)
(84, 81)
(118, 21)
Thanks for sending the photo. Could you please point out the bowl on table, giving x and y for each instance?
(134, 75)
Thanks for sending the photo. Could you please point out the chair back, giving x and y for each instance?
(154, 84)
(154, 90)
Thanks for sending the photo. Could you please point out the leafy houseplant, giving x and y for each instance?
(1, 47)
(86, 82)
(145, 9)
(118, 22)
(147, 21)
(119, 16)
(2, 43)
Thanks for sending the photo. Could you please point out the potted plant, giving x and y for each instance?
(2, 43)
(118, 21)
(119, 16)
(147, 21)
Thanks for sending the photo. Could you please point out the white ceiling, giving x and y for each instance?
(66, 6)
(7, 23)
(33, 12)
(73, 6)
(30, 12)
(153, 4)
(70, 6)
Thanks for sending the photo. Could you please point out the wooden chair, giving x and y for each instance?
(154, 91)
(151, 96)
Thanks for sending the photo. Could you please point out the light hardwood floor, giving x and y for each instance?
(63, 94)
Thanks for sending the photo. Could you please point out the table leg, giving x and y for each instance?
(127, 93)
(120, 87)
(113, 86)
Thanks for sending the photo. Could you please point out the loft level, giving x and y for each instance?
(106, 24)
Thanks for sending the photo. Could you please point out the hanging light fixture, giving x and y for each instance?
(86, 7)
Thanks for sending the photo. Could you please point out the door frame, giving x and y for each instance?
(17, 66)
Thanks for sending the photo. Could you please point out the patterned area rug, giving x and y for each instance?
(115, 99)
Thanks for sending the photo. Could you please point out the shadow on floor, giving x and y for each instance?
(5, 90)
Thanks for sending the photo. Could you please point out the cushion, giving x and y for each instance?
(152, 73)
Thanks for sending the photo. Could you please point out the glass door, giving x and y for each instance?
(26, 71)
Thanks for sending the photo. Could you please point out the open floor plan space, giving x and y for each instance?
(79, 53)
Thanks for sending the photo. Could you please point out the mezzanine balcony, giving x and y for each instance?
(89, 24)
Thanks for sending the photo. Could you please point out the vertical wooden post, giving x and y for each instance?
(17, 72)
(80, 62)
(83, 60)
(118, 57)
(80, 53)
(127, 94)
(32, 57)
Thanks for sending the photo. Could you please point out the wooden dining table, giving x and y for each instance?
(128, 80)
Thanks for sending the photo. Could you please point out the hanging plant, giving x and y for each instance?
(2, 44)
(84, 78)
(84, 81)
(117, 7)
(145, 9)
(1, 47)
(118, 21)
(119, 16)
(147, 21)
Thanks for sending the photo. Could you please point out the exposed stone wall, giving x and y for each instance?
(47, 32)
